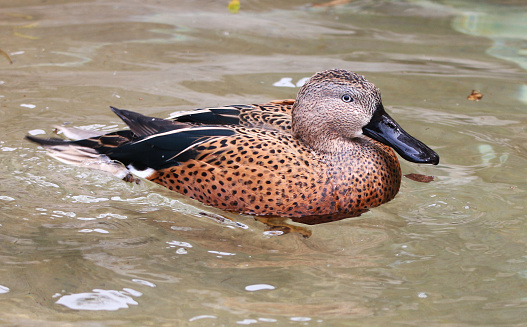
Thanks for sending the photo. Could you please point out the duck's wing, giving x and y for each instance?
(160, 150)
(155, 143)
(274, 115)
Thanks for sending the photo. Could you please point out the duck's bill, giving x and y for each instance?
(384, 129)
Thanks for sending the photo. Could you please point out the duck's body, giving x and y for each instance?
(288, 158)
(269, 172)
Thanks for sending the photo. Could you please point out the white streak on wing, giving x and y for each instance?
(188, 148)
(149, 171)
(232, 116)
(176, 131)
(178, 114)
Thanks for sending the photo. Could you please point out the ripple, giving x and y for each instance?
(202, 317)
(100, 300)
(143, 282)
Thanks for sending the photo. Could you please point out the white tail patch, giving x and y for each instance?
(145, 173)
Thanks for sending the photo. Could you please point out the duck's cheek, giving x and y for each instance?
(352, 130)
(357, 134)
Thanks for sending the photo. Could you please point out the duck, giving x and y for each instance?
(328, 153)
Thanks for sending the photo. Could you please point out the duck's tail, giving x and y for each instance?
(70, 153)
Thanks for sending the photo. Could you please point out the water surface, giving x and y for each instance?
(81, 248)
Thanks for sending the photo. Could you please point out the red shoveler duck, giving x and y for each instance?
(326, 154)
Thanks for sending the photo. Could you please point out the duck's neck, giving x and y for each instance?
(328, 144)
(320, 138)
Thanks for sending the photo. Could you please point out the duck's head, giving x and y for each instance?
(337, 106)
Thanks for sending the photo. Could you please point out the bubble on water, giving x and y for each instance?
(4, 289)
(259, 287)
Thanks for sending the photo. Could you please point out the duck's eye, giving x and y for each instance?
(347, 98)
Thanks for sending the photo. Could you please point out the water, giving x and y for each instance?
(81, 248)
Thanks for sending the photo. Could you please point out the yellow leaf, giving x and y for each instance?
(234, 6)
(22, 35)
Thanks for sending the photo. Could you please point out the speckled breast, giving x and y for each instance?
(269, 173)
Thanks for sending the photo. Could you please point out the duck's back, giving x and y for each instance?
(274, 115)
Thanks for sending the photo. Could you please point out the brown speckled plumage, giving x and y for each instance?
(287, 158)
(271, 173)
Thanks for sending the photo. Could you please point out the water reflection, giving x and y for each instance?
(505, 24)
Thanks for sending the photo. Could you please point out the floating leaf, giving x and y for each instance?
(475, 96)
(234, 6)
(420, 178)
(3, 53)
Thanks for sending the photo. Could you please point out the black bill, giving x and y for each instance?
(384, 129)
